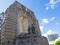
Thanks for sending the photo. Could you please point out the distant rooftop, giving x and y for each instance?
(52, 37)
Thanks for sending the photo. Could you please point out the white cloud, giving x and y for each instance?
(44, 35)
(52, 18)
(49, 32)
(52, 4)
(57, 23)
(46, 20)
(41, 28)
(47, 8)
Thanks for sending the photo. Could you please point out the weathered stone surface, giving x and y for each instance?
(15, 27)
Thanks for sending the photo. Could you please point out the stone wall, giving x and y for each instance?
(13, 26)
(27, 39)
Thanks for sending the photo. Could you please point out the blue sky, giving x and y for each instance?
(46, 12)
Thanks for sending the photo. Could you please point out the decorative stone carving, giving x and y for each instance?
(23, 22)
(33, 29)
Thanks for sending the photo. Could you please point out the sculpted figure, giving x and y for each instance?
(33, 29)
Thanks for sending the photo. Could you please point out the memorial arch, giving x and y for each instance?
(23, 24)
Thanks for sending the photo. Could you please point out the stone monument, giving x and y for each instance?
(21, 27)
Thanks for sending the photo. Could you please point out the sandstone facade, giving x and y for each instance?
(15, 27)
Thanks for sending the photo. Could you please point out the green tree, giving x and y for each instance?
(58, 42)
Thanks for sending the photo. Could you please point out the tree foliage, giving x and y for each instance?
(58, 42)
